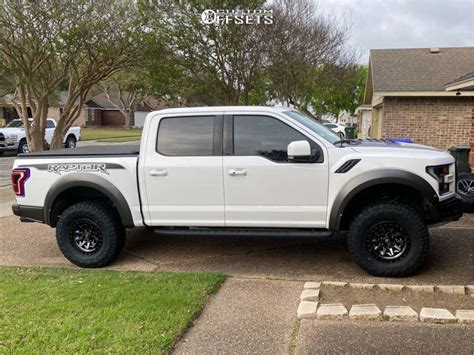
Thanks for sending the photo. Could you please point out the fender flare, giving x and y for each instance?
(91, 181)
(373, 178)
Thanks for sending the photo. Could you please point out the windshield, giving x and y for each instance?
(314, 126)
(15, 124)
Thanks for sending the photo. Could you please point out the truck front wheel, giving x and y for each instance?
(89, 234)
(388, 239)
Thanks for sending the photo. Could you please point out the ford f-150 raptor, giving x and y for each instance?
(242, 170)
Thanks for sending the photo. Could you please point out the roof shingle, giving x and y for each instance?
(416, 69)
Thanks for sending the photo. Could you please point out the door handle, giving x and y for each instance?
(235, 172)
(158, 172)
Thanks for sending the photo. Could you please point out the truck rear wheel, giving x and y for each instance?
(388, 239)
(89, 234)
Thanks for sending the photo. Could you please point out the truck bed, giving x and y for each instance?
(95, 151)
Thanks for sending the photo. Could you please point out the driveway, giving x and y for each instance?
(450, 262)
(6, 163)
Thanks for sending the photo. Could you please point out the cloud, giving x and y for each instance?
(404, 23)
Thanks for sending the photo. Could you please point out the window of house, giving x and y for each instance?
(264, 136)
(186, 136)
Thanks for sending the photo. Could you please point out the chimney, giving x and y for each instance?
(434, 50)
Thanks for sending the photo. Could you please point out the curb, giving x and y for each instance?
(310, 307)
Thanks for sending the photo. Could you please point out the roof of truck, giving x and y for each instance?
(222, 108)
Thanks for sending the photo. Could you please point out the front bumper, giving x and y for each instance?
(445, 211)
(29, 213)
(7, 145)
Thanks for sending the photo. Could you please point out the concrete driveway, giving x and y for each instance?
(450, 262)
(6, 163)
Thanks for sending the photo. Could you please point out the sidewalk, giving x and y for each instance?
(247, 316)
(258, 316)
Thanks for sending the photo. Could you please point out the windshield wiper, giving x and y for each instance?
(347, 141)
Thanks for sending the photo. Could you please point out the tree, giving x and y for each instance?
(302, 42)
(220, 63)
(31, 36)
(125, 90)
(341, 89)
(113, 36)
(77, 43)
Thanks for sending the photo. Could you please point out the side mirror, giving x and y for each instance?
(299, 151)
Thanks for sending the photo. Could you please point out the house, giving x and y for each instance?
(101, 112)
(8, 112)
(462, 85)
(423, 94)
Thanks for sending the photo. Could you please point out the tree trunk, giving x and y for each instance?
(58, 137)
(127, 115)
(36, 142)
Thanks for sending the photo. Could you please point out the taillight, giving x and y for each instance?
(19, 177)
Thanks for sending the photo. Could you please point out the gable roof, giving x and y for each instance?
(101, 101)
(417, 69)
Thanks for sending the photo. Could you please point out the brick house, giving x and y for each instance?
(101, 112)
(463, 85)
(407, 96)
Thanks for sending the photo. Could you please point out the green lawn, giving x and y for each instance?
(111, 134)
(44, 310)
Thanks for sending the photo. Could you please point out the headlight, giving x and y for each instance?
(13, 137)
(443, 175)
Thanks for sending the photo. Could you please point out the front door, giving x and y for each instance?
(183, 172)
(262, 187)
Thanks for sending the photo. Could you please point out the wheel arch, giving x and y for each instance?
(368, 182)
(84, 185)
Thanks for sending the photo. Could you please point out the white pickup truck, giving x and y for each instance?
(13, 137)
(242, 170)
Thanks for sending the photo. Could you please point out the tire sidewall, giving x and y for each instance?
(110, 237)
(70, 139)
(402, 215)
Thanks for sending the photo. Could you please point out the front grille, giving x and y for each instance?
(2, 137)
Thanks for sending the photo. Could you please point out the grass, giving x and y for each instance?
(111, 134)
(44, 310)
(121, 139)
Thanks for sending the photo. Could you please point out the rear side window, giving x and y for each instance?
(186, 136)
(263, 136)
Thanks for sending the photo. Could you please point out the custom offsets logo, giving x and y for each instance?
(238, 17)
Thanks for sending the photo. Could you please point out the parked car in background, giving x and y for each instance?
(13, 137)
(336, 127)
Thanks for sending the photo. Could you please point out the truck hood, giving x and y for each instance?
(12, 130)
(396, 148)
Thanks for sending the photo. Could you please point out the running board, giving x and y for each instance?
(261, 232)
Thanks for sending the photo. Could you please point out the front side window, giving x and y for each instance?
(310, 123)
(49, 124)
(186, 136)
(264, 136)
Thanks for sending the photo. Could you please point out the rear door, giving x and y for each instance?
(182, 167)
(262, 187)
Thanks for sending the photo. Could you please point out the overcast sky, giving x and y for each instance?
(405, 23)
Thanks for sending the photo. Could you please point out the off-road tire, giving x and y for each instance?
(107, 222)
(393, 213)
